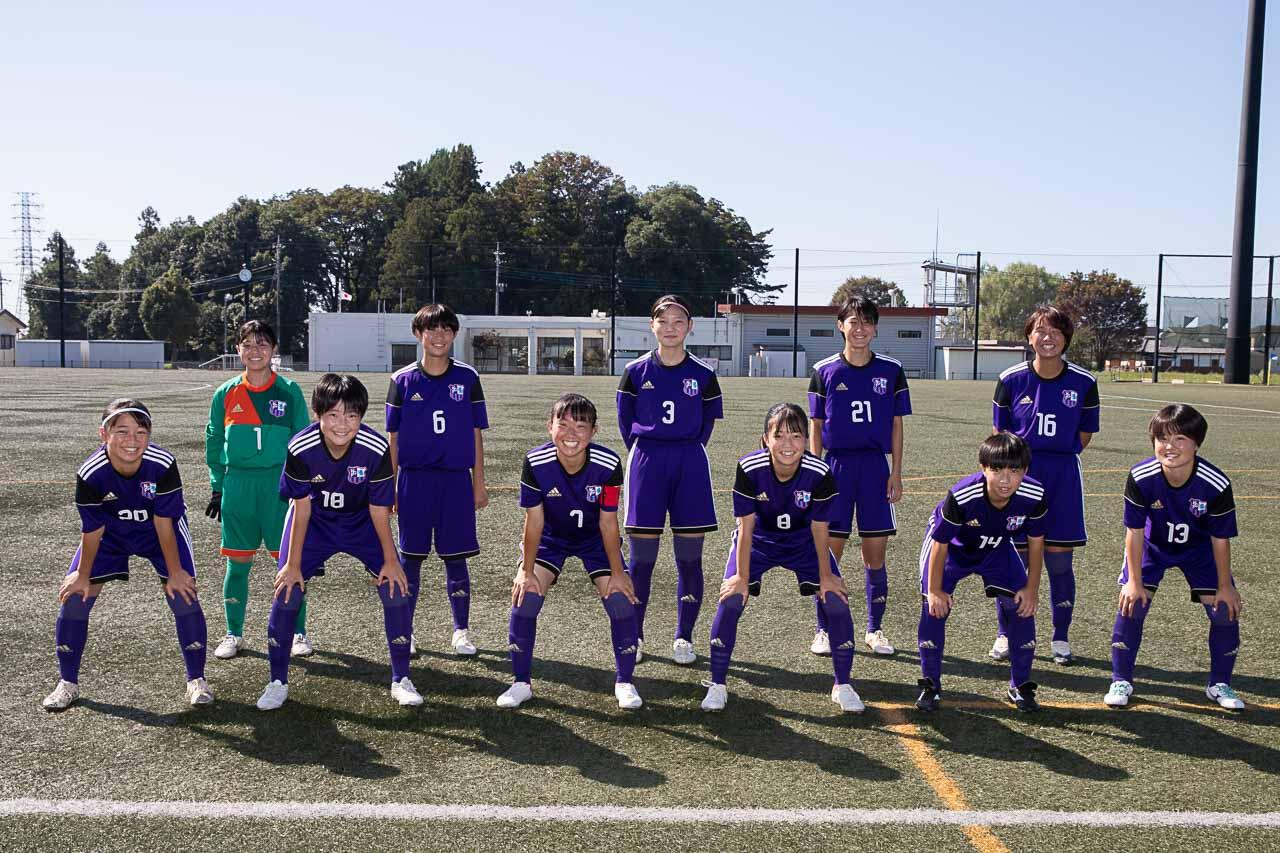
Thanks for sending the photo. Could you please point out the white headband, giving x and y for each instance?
(661, 306)
(111, 416)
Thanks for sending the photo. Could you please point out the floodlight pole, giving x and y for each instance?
(613, 311)
(62, 306)
(1238, 309)
(795, 322)
(1266, 331)
(276, 276)
(977, 309)
(1155, 366)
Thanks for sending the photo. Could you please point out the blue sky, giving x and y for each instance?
(1079, 135)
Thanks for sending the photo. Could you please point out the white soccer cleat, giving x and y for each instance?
(717, 696)
(62, 696)
(878, 643)
(273, 697)
(229, 647)
(847, 698)
(1224, 696)
(516, 695)
(639, 650)
(1061, 652)
(461, 642)
(198, 692)
(626, 694)
(1000, 648)
(821, 644)
(682, 652)
(301, 646)
(1118, 694)
(405, 693)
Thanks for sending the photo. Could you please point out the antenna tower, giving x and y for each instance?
(28, 213)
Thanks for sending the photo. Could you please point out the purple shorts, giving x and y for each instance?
(797, 554)
(552, 555)
(1200, 570)
(862, 478)
(1002, 570)
(668, 478)
(328, 535)
(112, 562)
(436, 503)
(1063, 481)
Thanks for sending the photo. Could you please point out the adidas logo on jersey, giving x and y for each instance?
(842, 387)
(717, 643)
(928, 644)
(416, 398)
(554, 493)
(1025, 401)
(647, 386)
(237, 410)
(195, 646)
(1156, 504)
(318, 478)
(763, 496)
(973, 522)
(109, 496)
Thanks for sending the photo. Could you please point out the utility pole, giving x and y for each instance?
(613, 310)
(62, 305)
(497, 280)
(279, 327)
(431, 274)
(1, 291)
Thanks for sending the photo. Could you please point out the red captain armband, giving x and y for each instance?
(609, 498)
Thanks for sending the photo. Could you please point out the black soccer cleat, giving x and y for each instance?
(1024, 697)
(930, 696)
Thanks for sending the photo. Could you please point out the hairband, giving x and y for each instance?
(657, 309)
(111, 415)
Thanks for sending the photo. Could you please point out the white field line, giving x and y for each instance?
(1272, 412)
(1235, 417)
(623, 814)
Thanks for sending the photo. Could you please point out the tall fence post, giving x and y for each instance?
(795, 322)
(1155, 367)
(977, 311)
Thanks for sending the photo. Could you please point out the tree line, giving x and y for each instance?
(567, 226)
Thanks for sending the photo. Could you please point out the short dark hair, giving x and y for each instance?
(1005, 450)
(785, 416)
(1055, 317)
(666, 301)
(860, 306)
(126, 405)
(334, 388)
(434, 316)
(256, 329)
(1178, 419)
(574, 407)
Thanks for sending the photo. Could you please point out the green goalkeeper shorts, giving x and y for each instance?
(252, 511)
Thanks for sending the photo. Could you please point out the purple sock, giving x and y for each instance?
(877, 582)
(397, 620)
(931, 638)
(821, 614)
(622, 628)
(522, 631)
(1022, 641)
(644, 554)
(1224, 643)
(1062, 591)
(413, 574)
(70, 633)
(688, 551)
(724, 634)
(840, 630)
(280, 624)
(1126, 637)
(458, 583)
(193, 633)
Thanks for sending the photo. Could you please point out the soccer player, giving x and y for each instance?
(782, 497)
(435, 415)
(569, 491)
(1053, 404)
(857, 400)
(1178, 511)
(339, 483)
(971, 532)
(251, 419)
(668, 403)
(129, 495)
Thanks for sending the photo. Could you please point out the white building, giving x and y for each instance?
(10, 328)
(108, 354)
(956, 362)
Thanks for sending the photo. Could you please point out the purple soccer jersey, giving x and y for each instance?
(571, 503)
(1049, 413)
(1179, 523)
(783, 510)
(857, 405)
(435, 417)
(341, 492)
(668, 404)
(126, 507)
(975, 530)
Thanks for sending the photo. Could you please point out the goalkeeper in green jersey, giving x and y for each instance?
(251, 420)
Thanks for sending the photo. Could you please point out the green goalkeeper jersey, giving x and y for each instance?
(250, 428)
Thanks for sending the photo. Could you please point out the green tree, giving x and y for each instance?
(351, 224)
(169, 313)
(43, 298)
(878, 290)
(1011, 294)
(1109, 310)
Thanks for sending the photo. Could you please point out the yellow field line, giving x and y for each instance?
(946, 789)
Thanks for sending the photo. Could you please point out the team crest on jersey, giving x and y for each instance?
(1198, 507)
(802, 498)
(148, 489)
(457, 392)
(691, 387)
(880, 385)
(593, 493)
(1070, 398)
(277, 408)
(1013, 522)
(356, 474)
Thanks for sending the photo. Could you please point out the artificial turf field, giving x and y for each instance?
(780, 745)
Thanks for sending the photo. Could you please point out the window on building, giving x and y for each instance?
(910, 333)
(778, 333)
(822, 333)
(6, 341)
(402, 354)
(719, 352)
(555, 355)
